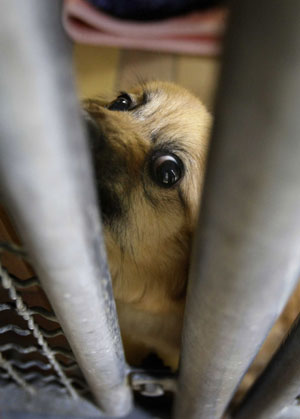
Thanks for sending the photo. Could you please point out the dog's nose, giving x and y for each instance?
(106, 166)
(106, 161)
(93, 131)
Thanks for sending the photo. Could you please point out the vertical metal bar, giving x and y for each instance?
(247, 248)
(279, 385)
(47, 182)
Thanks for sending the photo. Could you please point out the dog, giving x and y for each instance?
(149, 150)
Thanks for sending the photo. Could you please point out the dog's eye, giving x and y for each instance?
(166, 170)
(122, 103)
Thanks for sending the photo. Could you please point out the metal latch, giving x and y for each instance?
(152, 383)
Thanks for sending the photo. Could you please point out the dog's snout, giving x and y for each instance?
(94, 133)
(105, 168)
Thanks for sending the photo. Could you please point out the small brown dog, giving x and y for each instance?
(149, 149)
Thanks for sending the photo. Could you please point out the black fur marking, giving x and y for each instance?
(154, 138)
(145, 98)
(110, 204)
(138, 109)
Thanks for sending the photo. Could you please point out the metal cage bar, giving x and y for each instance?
(279, 386)
(47, 183)
(247, 250)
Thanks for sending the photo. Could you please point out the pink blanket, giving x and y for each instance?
(195, 33)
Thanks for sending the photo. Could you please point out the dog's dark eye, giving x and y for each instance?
(122, 103)
(166, 170)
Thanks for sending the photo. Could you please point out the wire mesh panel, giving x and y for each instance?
(38, 371)
(34, 353)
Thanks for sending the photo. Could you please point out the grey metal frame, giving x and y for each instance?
(247, 250)
(46, 180)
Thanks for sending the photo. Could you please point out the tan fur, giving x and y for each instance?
(149, 259)
(149, 249)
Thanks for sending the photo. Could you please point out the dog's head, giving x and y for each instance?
(149, 147)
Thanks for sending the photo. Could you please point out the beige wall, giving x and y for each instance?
(105, 71)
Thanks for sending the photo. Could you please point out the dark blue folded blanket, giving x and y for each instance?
(150, 9)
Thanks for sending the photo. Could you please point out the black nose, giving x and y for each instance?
(99, 148)
(96, 139)
(106, 165)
